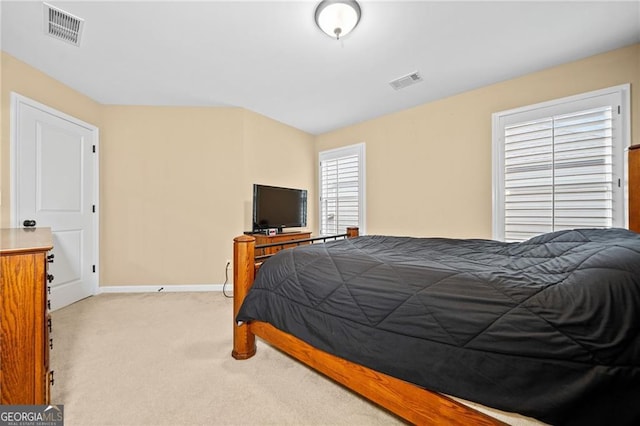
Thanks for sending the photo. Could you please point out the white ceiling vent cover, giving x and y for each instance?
(62, 25)
(407, 80)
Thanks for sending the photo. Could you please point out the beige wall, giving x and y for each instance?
(175, 183)
(429, 167)
(170, 191)
(177, 188)
(277, 155)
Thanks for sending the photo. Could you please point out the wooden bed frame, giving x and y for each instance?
(412, 403)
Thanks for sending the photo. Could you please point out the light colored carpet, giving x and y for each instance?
(165, 359)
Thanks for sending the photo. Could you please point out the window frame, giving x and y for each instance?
(358, 150)
(622, 138)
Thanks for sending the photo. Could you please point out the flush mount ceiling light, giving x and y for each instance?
(337, 18)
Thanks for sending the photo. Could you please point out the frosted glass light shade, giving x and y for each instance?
(337, 18)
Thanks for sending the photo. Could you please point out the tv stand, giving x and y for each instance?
(278, 238)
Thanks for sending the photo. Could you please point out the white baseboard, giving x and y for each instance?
(162, 288)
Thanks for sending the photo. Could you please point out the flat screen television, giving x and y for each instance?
(276, 207)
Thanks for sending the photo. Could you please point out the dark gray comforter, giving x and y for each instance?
(549, 328)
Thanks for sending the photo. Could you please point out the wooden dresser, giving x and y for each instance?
(278, 239)
(634, 188)
(24, 320)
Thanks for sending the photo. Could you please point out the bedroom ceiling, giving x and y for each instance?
(271, 58)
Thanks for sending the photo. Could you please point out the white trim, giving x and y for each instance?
(358, 149)
(497, 149)
(497, 164)
(162, 288)
(625, 132)
(16, 100)
(613, 90)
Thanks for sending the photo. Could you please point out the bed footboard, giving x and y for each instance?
(412, 403)
(245, 266)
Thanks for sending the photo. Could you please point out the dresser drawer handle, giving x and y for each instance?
(49, 324)
(51, 379)
(51, 343)
(50, 277)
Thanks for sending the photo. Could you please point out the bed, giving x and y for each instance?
(549, 328)
(579, 364)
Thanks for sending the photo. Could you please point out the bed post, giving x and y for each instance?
(244, 341)
(353, 231)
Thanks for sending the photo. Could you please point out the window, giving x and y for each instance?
(560, 165)
(341, 189)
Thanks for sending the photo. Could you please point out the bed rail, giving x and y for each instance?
(351, 233)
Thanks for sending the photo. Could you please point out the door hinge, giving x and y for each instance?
(94, 268)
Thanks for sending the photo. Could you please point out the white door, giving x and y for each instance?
(54, 170)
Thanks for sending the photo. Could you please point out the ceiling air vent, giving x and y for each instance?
(407, 80)
(62, 25)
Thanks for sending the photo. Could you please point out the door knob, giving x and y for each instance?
(29, 223)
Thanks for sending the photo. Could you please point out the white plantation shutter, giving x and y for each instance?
(559, 167)
(341, 189)
(528, 179)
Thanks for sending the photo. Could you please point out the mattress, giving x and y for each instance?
(548, 328)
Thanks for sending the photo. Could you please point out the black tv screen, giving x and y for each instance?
(278, 207)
